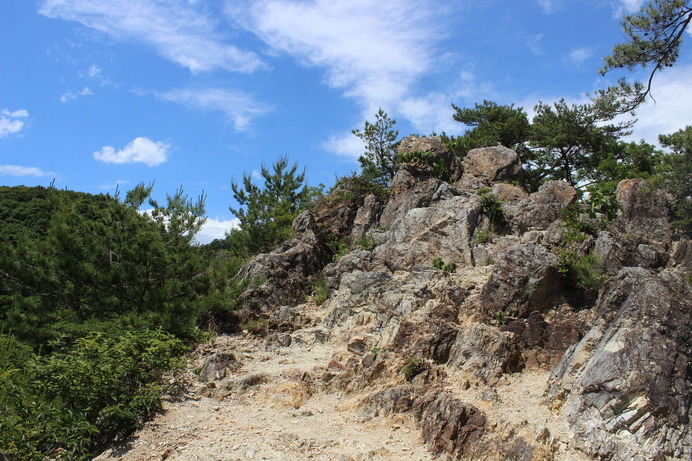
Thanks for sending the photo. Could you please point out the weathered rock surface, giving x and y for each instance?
(488, 165)
(625, 386)
(526, 279)
(508, 363)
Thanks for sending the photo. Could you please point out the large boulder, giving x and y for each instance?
(540, 209)
(280, 277)
(488, 165)
(526, 279)
(625, 387)
(425, 233)
(439, 153)
(484, 353)
(644, 210)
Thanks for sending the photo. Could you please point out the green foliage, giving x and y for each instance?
(82, 396)
(255, 325)
(675, 174)
(569, 142)
(491, 125)
(366, 243)
(266, 213)
(413, 366)
(110, 296)
(602, 206)
(653, 38)
(622, 160)
(320, 292)
(379, 159)
(500, 318)
(355, 187)
(341, 248)
(493, 208)
(439, 264)
(579, 270)
(377, 350)
(437, 168)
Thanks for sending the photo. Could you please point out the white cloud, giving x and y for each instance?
(16, 170)
(70, 95)
(115, 185)
(140, 150)
(671, 109)
(548, 6)
(239, 107)
(373, 51)
(579, 55)
(347, 145)
(622, 7)
(534, 44)
(178, 30)
(10, 121)
(215, 229)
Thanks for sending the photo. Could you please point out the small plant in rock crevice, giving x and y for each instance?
(451, 266)
(320, 292)
(413, 366)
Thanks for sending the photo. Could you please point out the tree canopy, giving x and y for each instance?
(379, 159)
(491, 124)
(266, 212)
(653, 38)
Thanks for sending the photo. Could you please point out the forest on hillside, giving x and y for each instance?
(100, 301)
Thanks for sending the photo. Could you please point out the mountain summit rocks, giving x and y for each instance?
(436, 319)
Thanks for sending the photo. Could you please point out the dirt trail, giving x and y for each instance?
(263, 411)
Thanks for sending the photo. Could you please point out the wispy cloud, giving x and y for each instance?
(622, 7)
(534, 44)
(12, 121)
(671, 109)
(215, 229)
(179, 30)
(70, 95)
(140, 150)
(578, 55)
(16, 170)
(548, 6)
(239, 107)
(373, 51)
(114, 185)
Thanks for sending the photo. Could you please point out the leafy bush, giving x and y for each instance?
(580, 271)
(355, 187)
(430, 160)
(493, 208)
(438, 263)
(366, 243)
(413, 366)
(320, 293)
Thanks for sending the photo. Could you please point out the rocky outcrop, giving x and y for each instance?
(433, 145)
(625, 386)
(280, 277)
(434, 283)
(540, 209)
(526, 279)
(488, 165)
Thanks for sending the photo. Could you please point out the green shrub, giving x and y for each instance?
(493, 208)
(320, 293)
(366, 243)
(413, 366)
(580, 271)
(254, 325)
(438, 263)
(437, 168)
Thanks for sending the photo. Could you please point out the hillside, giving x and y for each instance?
(461, 318)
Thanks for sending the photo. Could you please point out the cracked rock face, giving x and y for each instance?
(625, 386)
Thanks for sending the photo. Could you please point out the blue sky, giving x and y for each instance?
(100, 93)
